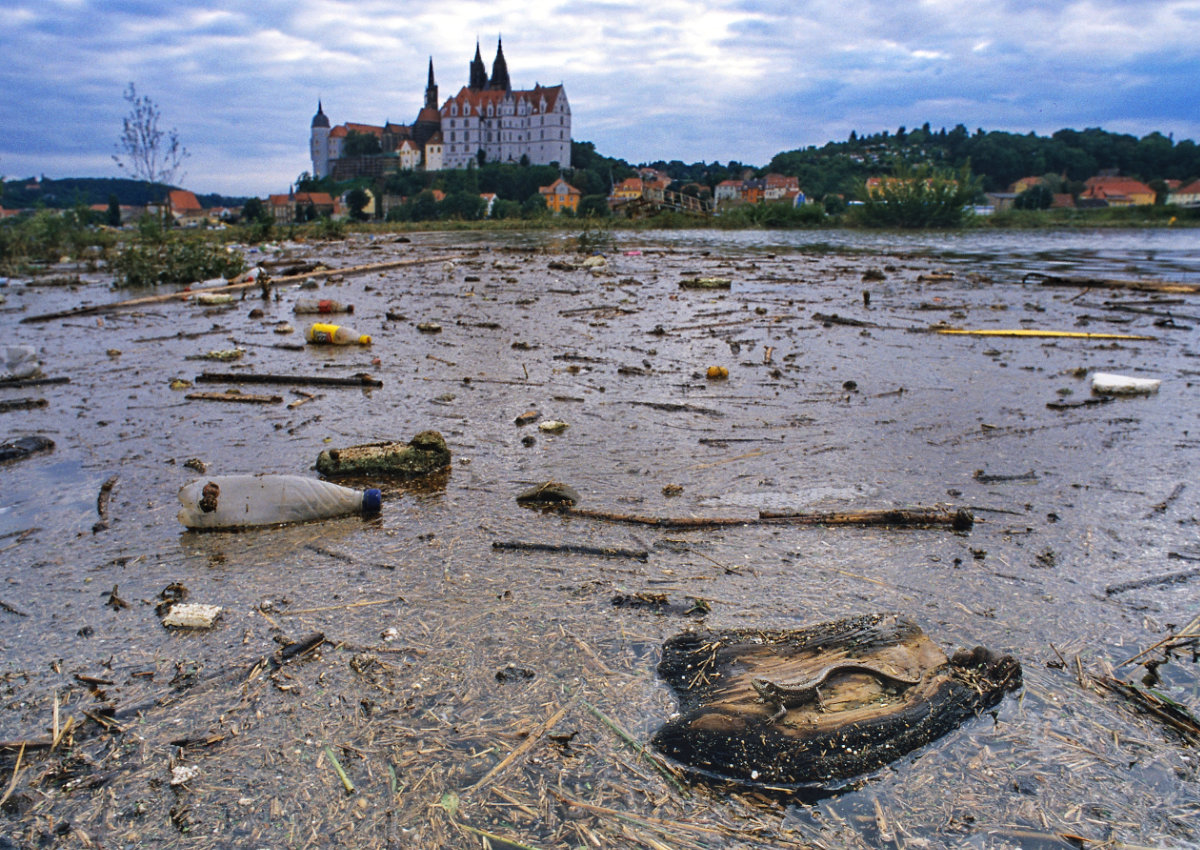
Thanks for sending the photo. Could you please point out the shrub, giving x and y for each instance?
(150, 263)
(917, 197)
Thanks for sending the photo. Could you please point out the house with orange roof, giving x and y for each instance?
(301, 206)
(1186, 196)
(628, 189)
(560, 195)
(185, 209)
(1117, 192)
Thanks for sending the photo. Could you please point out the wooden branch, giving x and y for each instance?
(572, 549)
(960, 519)
(359, 380)
(244, 398)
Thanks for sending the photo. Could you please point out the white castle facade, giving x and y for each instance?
(486, 121)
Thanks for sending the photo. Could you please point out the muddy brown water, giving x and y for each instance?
(445, 655)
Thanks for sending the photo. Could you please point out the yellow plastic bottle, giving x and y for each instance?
(321, 333)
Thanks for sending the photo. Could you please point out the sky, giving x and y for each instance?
(692, 80)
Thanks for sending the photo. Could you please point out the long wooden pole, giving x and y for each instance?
(233, 287)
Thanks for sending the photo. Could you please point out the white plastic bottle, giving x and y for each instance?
(238, 501)
(321, 305)
(325, 334)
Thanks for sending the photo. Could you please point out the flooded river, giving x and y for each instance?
(467, 691)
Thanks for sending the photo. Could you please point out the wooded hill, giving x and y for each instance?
(85, 191)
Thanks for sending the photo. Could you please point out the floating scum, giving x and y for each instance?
(459, 670)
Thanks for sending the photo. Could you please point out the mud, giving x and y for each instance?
(421, 614)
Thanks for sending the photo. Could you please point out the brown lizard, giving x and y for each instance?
(792, 694)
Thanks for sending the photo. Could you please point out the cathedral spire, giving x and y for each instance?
(499, 79)
(431, 89)
(478, 78)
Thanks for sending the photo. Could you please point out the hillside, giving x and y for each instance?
(75, 191)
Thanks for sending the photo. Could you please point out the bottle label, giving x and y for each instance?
(322, 333)
(325, 306)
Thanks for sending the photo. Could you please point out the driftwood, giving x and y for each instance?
(244, 398)
(359, 380)
(264, 284)
(1105, 283)
(855, 723)
(572, 549)
(1152, 581)
(34, 382)
(958, 519)
(102, 500)
(11, 404)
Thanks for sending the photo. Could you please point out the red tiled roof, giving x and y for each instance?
(480, 98)
(369, 129)
(1192, 188)
(1118, 185)
(182, 201)
(550, 190)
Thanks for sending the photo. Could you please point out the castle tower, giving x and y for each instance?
(478, 78)
(319, 143)
(431, 91)
(499, 79)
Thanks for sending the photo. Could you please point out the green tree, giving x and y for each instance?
(534, 206)
(1038, 197)
(463, 206)
(918, 197)
(360, 144)
(255, 210)
(594, 206)
(113, 215)
(357, 199)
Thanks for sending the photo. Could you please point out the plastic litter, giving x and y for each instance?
(240, 501)
(325, 334)
(322, 305)
(20, 361)
(1106, 383)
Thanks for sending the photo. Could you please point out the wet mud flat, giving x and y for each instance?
(405, 681)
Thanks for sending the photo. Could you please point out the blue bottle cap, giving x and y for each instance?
(372, 501)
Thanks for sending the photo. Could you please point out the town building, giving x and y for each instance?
(486, 121)
(1116, 192)
(301, 206)
(560, 195)
(1186, 196)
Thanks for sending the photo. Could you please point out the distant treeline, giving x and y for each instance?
(72, 192)
(996, 158)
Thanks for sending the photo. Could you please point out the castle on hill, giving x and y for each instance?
(486, 120)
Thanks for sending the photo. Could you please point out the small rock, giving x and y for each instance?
(549, 493)
(552, 426)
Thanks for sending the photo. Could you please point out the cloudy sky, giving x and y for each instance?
(671, 79)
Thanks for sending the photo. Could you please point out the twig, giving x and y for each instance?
(337, 766)
(359, 380)
(338, 607)
(573, 549)
(243, 398)
(960, 519)
(636, 746)
(16, 774)
(499, 840)
(524, 746)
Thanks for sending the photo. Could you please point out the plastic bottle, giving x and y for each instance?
(322, 305)
(238, 501)
(323, 334)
